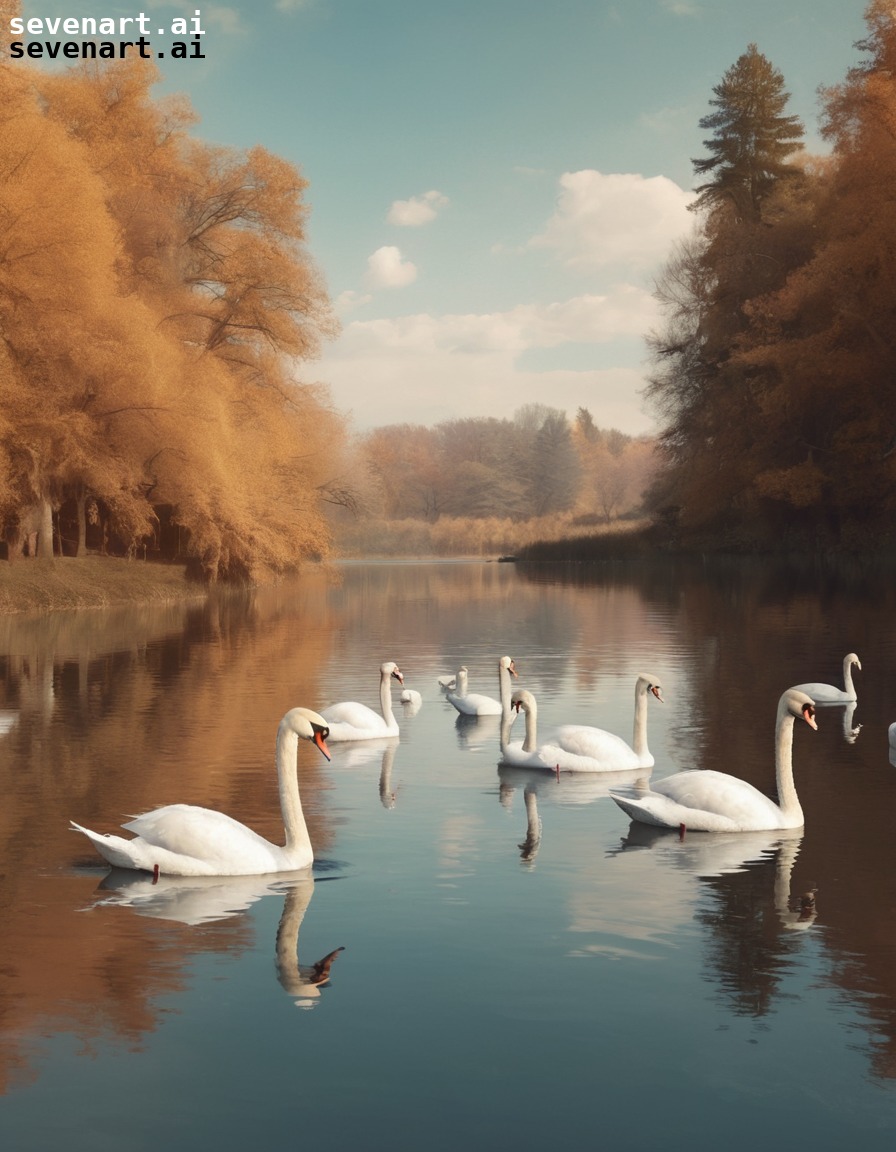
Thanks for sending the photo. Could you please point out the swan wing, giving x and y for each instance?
(353, 721)
(353, 713)
(724, 795)
(703, 801)
(606, 749)
(513, 756)
(474, 704)
(216, 843)
(825, 693)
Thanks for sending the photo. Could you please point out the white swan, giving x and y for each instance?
(827, 693)
(707, 801)
(530, 754)
(353, 721)
(474, 704)
(184, 840)
(413, 699)
(610, 753)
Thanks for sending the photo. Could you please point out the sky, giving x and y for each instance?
(494, 184)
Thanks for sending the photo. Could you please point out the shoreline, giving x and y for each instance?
(42, 586)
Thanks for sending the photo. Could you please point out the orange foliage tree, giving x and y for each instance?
(825, 345)
(774, 369)
(156, 298)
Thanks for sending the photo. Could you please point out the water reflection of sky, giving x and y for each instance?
(520, 964)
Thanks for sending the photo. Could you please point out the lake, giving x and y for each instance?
(521, 966)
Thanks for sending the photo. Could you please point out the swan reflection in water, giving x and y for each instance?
(734, 852)
(195, 900)
(531, 844)
(357, 755)
(850, 730)
(569, 789)
(752, 933)
(476, 732)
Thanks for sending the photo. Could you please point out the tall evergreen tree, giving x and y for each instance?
(752, 234)
(752, 139)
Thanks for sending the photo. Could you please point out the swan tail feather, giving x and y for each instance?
(115, 850)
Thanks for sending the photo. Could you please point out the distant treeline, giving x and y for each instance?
(484, 485)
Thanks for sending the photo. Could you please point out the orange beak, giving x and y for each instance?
(321, 743)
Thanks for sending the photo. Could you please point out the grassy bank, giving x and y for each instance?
(91, 582)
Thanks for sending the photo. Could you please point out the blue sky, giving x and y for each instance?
(493, 183)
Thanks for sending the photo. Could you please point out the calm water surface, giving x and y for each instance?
(521, 966)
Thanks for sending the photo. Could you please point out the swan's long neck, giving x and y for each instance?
(639, 730)
(847, 678)
(504, 692)
(288, 783)
(788, 801)
(386, 697)
(506, 725)
(530, 744)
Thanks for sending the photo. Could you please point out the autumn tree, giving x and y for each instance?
(824, 345)
(74, 350)
(485, 459)
(184, 392)
(408, 474)
(615, 468)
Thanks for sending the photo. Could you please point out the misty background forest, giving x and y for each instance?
(160, 315)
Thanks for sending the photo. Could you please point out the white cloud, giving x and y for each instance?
(429, 368)
(621, 218)
(387, 269)
(418, 210)
(583, 348)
